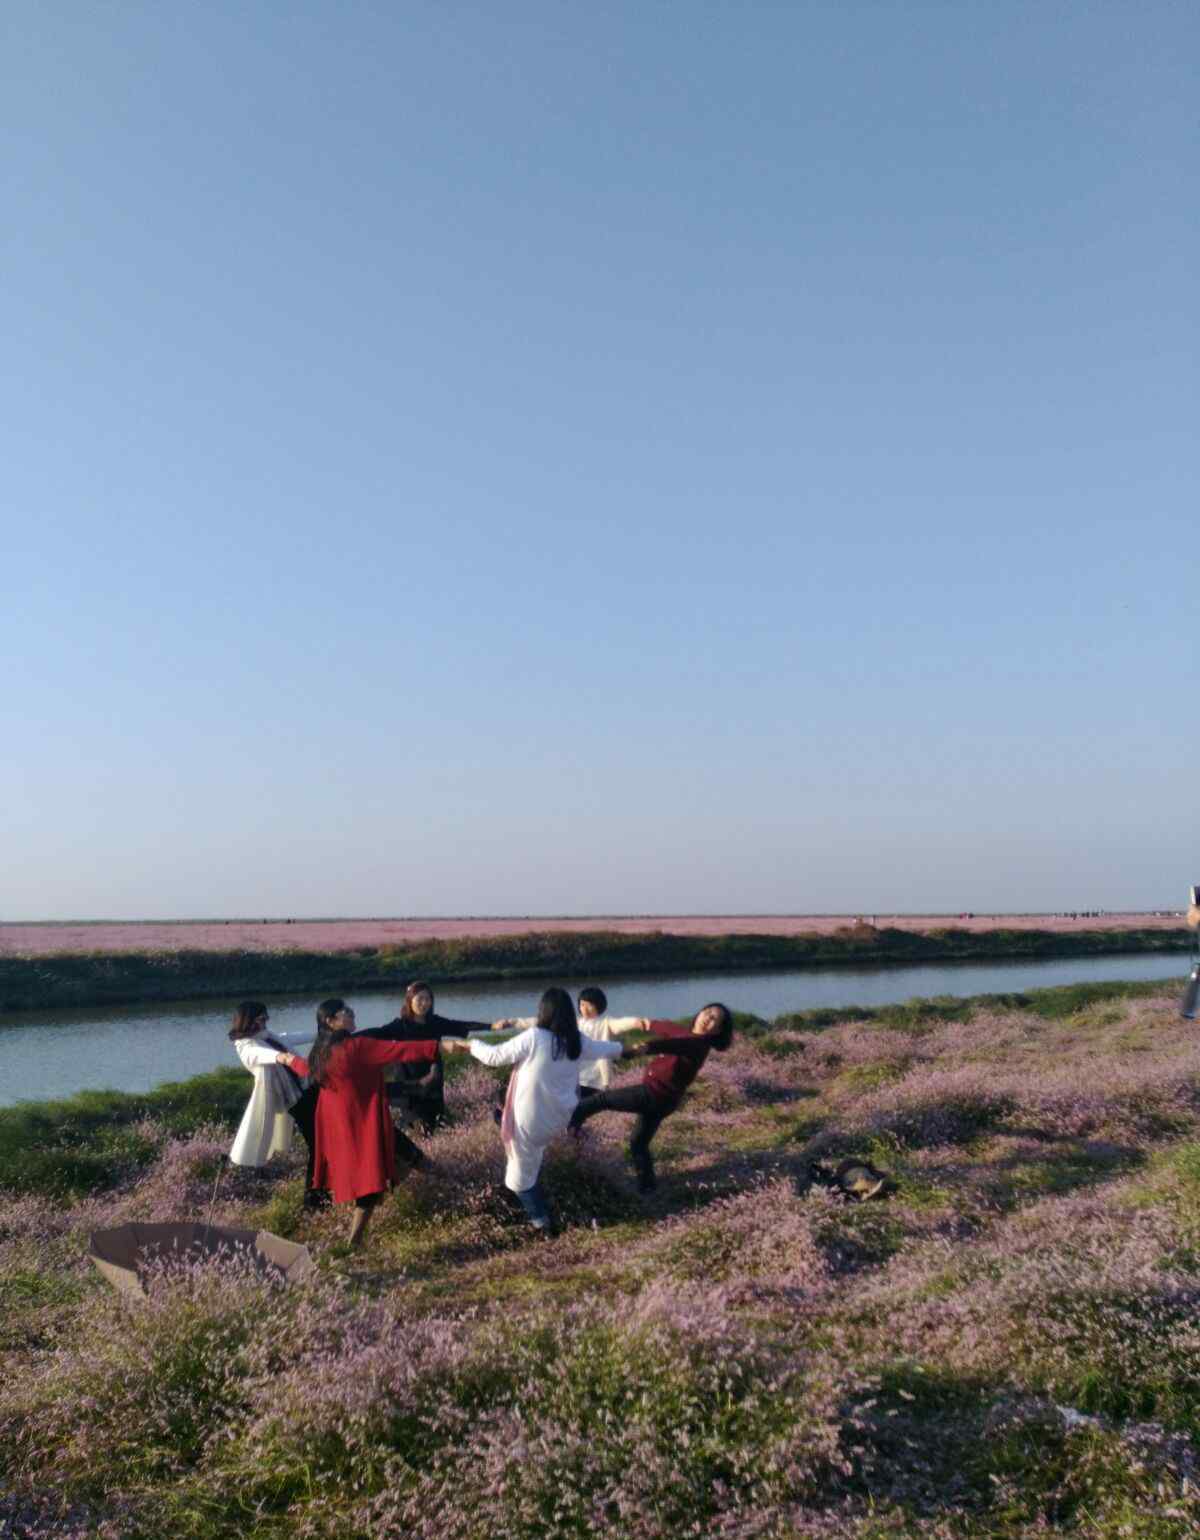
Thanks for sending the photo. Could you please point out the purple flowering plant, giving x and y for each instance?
(1004, 1346)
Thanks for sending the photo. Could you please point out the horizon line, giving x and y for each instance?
(749, 914)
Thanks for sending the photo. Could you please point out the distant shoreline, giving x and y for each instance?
(23, 938)
(119, 975)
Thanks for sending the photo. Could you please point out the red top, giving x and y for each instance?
(677, 1065)
(354, 1142)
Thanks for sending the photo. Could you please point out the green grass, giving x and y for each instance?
(1062, 1002)
(861, 1078)
(34, 1285)
(1172, 1178)
(89, 1142)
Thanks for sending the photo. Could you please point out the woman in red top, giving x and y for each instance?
(678, 1052)
(355, 1143)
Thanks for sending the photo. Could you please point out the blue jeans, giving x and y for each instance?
(533, 1201)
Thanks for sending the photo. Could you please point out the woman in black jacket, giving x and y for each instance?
(419, 1092)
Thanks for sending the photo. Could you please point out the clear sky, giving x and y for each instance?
(639, 457)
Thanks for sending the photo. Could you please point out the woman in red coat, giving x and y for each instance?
(355, 1143)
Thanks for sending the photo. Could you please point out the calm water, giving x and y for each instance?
(132, 1048)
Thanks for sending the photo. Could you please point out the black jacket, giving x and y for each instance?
(434, 1027)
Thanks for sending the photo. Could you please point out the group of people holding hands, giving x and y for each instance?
(561, 1062)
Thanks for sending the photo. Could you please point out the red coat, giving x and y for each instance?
(354, 1142)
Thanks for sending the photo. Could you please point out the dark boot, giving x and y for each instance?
(644, 1166)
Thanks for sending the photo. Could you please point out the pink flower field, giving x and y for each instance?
(1005, 1346)
(32, 939)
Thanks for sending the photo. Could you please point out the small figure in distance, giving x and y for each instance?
(1191, 995)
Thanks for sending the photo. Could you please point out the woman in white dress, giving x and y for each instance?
(279, 1101)
(594, 1021)
(542, 1092)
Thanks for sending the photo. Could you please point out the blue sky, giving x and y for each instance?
(637, 458)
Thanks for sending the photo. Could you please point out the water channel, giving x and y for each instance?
(133, 1048)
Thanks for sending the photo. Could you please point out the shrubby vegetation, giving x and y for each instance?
(100, 978)
(1007, 1347)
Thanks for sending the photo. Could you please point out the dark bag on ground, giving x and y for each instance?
(853, 1180)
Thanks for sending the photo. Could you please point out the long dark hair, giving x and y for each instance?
(722, 1039)
(244, 1018)
(557, 1014)
(406, 1011)
(327, 1039)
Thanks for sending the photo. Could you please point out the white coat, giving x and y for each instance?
(542, 1094)
(265, 1129)
(596, 1073)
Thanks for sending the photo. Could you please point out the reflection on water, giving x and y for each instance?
(132, 1048)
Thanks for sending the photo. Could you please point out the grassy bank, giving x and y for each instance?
(1004, 1348)
(31, 983)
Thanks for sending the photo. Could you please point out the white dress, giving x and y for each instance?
(265, 1129)
(596, 1073)
(542, 1095)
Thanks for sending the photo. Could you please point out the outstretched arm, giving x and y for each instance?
(379, 1051)
(599, 1048)
(445, 1026)
(257, 1055)
(495, 1055)
(433, 1027)
(623, 1024)
(680, 1047)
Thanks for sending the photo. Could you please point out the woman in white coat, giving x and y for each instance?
(542, 1092)
(279, 1102)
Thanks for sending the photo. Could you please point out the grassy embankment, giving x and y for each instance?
(1007, 1347)
(95, 978)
